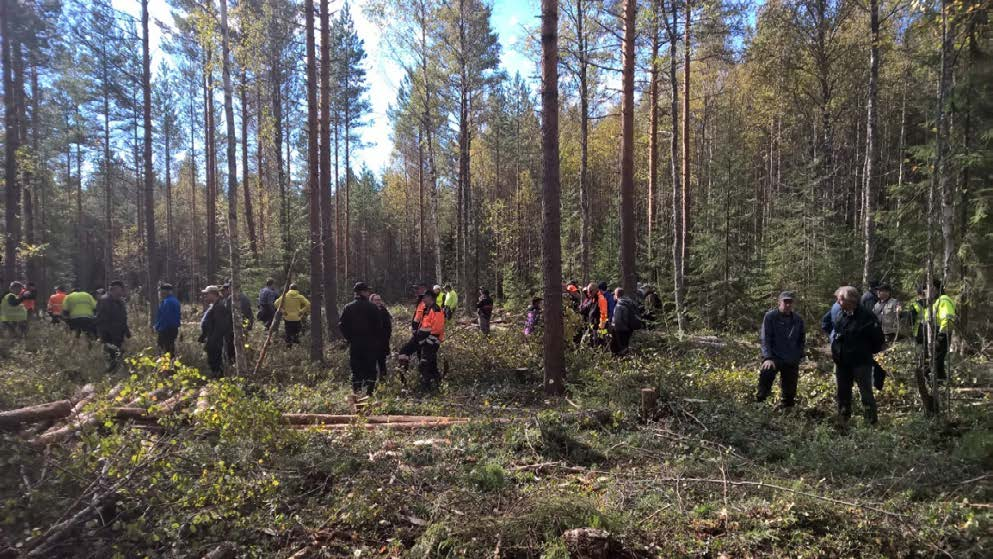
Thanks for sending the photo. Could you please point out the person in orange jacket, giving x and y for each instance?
(596, 312)
(55, 304)
(29, 296)
(427, 341)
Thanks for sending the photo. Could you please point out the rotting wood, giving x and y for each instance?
(13, 419)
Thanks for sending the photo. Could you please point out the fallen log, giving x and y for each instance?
(403, 426)
(331, 419)
(13, 419)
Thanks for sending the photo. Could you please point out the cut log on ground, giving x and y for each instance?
(13, 419)
(331, 419)
(406, 426)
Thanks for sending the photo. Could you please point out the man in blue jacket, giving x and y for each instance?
(167, 320)
(783, 338)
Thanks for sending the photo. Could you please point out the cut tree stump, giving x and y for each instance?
(649, 402)
(13, 419)
(593, 543)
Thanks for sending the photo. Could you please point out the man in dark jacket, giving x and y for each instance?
(783, 337)
(267, 302)
(484, 310)
(361, 326)
(857, 336)
(871, 296)
(167, 320)
(112, 323)
(215, 327)
(624, 322)
(386, 322)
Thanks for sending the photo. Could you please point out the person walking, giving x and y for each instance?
(427, 341)
(29, 298)
(624, 322)
(361, 326)
(918, 313)
(608, 295)
(386, 323)
(112, 323)
(79, 308)
(871, 296)
(167, 320)
(267, 302)
(55, 304)
(294, 307)
(783, 338)
(857, 336)
(594, 310)
(532, 320)
(944, 314)
(484, 310)
(887, 309)
(215, 327)
(451, 302)
(13, 314)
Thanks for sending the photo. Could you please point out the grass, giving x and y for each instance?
(713, 473)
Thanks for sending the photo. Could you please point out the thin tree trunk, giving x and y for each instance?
(628, 245)
(108, 256)
(584, 141)
(195, 264)
(170, 261)
(314, 192)
(679, 283)
(233, 245)
(872, 148)
(11, 142)
(687, 206)
(554, 350)
(211, 174)
(945, 186)
(653, 131)
(253, 242)
(152, 266)
(277, 130)
(327, 231)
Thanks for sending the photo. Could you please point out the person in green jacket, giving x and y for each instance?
(79, 309)
(13, 314)
(944, 314)
(918, 310)
(451, 301)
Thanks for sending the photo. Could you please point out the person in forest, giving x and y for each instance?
(112, 323)
(871, 296)
(12, 312)
(594, 310)
(783, 338)
(575, 295)
(215, 327)
(944, 317)
(624, 323)
(918, 311)
(484, 310)
(29, 298)
(419, 306)
(532, 320)
(386, 323)
(361, 325)
(79, 309)
(608, 295)
(857, 336)
(439, 296)
(887, 309)
(167, 320)
(294, 307)
(451, 301)
(427, 341)
(55, 304)
(267, 302)
(653, 304)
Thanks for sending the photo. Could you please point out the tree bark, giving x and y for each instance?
(653, 130)
(872, 148)
(687, 206)
(314, 192)
(11, 143)
(554, 350)
(211, 171)
(253, 241)
(233, 244)
(152, 266)
(330, 282)
(628, 245)
(679, 281)
(584, 141)
(945, 186)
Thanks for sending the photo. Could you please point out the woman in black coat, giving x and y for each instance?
(387, 330)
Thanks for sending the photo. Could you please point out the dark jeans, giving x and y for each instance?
(941, 352)
(362, 361)
(167, 340)
(484, 324)
(789, 377)
(293, 329)
(428, 366)
(381, 364)
(862, 376)
(81, 325)
(619, 341)
(215, 360)
(17, 328)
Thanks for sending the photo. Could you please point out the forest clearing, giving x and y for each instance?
(543, 279)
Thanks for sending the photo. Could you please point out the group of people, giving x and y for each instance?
(610, 317)
(859, 326)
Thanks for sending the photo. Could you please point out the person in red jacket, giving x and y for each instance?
(427, 341)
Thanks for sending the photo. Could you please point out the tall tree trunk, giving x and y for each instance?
(628, 245)
(195, 253)
(253, 242)
(314, 192)
(585, 242)
(945, 186)
(554, 350)
(653, 130)
(211, 174)
(420, 207)
(276, 80)
(152, 266)
(11, 142)
(428, 124)
(687, 200)
(108, 257)
(346, 211)
(27, 182)
(679, 279)
(170, 260)
(871, 147)
(233, 245)
(330, 282)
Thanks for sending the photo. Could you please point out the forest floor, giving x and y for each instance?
(712, 474)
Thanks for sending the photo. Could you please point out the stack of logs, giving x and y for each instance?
(53, 422)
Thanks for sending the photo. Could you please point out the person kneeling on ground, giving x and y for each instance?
(427, 339)
(624, 322)
(783, 338)
(857, 336)
(361, 326)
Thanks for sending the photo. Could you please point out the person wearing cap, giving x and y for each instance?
(294, 307)
(55, 304)
(783, 337)
(871, 296)
(167, 320)
(594, 309)
(857, 336)
(918, 310)
(112, 323)
(427, 341)
(267, 302)
(439, 296)
(386, 321)
(532, 320)
(79, 308)
(361, 326)
(572, 289)
(451, 301)
(215, 327)
(484, 310)
(415, 321)
(945, 317)
(887, 309)
(624, 322)
(29, 296)
(12, 312)
(608, 296)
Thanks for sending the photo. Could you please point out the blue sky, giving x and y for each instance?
(510, 17)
